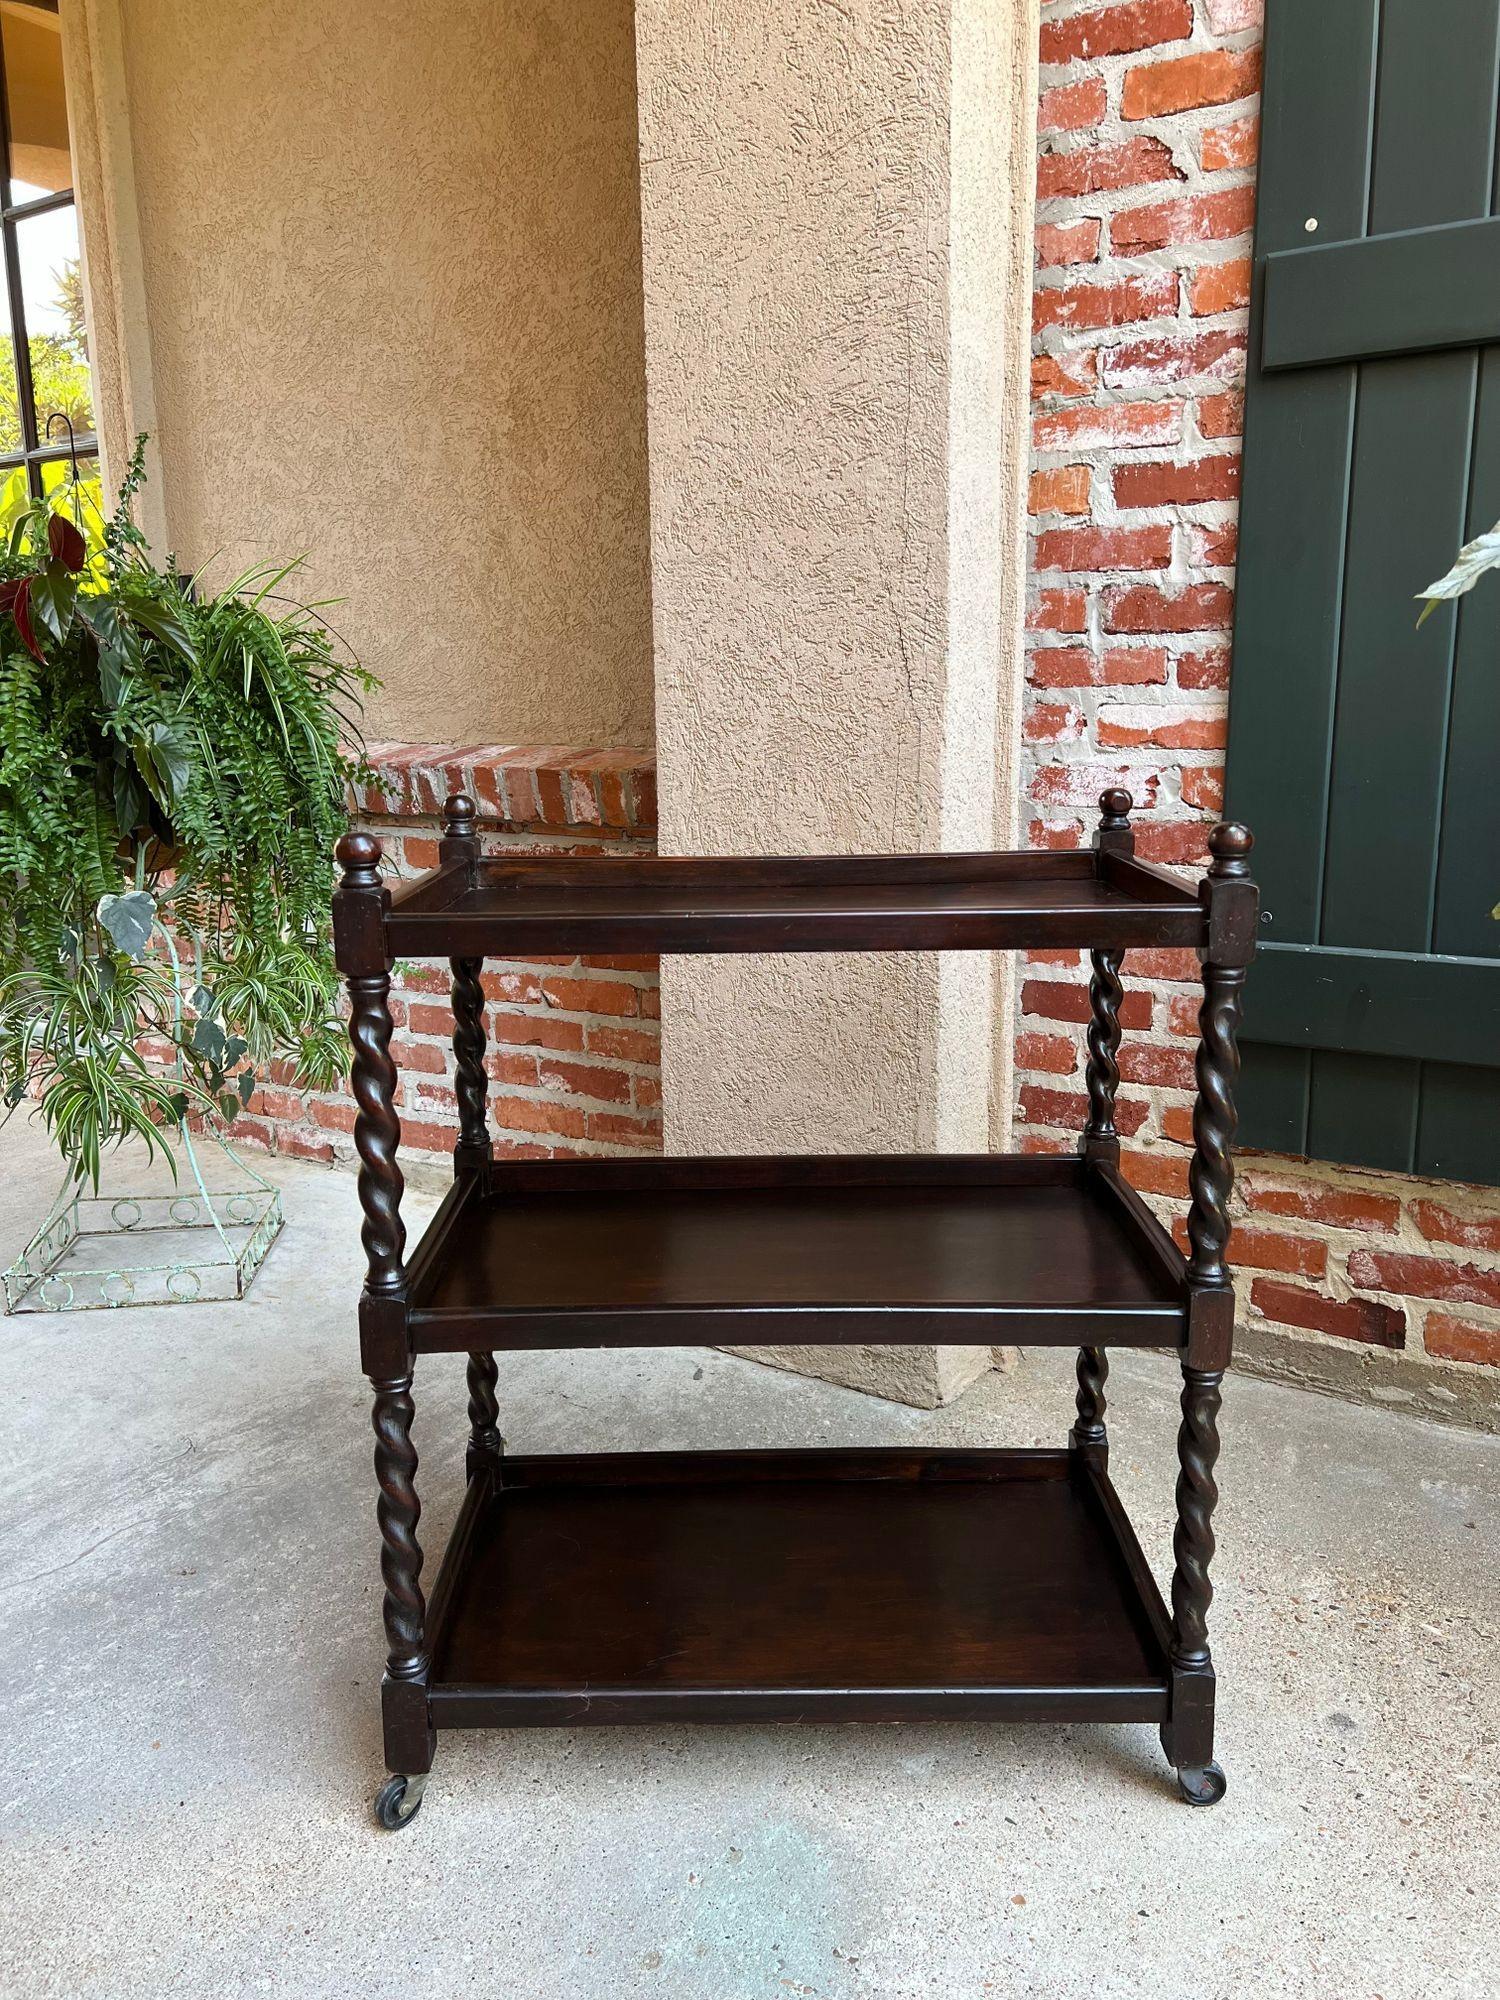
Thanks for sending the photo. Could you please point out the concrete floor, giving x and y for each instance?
(190, 1738)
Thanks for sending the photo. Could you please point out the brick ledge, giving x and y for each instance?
(524, 788)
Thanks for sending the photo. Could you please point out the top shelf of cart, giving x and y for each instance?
(517, 904)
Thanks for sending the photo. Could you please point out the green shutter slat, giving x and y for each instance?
(1406, 518)
(1363, 1110)
(1459, 1119)
(1286, 638)
(1435, 121)
(1319, 72)
(1375, 1003)
(1468, 871)
(1273, 1097)
(1400, 294)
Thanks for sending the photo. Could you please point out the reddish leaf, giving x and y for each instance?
(10, 590)
(20, 610)
(66, 542)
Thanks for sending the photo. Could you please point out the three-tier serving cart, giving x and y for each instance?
(819, 1585)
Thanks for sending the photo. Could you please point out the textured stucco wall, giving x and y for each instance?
(830, 344)
(794, 215)
(836, 208)
(391, 269)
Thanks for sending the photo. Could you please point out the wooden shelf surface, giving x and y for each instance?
(961, 1249)
(795, 1585)
(516, 904)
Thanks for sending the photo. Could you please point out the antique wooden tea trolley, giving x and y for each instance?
(793, 1585)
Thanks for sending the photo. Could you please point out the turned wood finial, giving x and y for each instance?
(1230, 843)
(460, 817)
(1114, 809)
(358, 854)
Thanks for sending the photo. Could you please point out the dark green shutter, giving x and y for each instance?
(1364, 753)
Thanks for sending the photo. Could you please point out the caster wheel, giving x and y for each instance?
(398, 1802)
(1203, 1788)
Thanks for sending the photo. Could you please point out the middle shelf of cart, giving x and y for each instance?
(962, 1249)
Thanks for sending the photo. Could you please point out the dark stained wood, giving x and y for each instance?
(1101, 1142)
(455, 1562)
(1189, 1736)
(689, 1174)
(1232, 904)
(1115, 835)
(1114, 846)
(1089, 1432)
(377, 1130)
(470, 1084)
(799, 1584)
(1197, 1496)
(436, 1243)
(551, 903)
(1131, 1554)
(398, 1511)
(795, 1249)
(484, 1409)
(1154, 1241)
(460, 846)
(874, 1585)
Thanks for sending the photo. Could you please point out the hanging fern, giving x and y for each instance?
(173, 770)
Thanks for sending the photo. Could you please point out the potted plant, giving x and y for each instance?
(173, 776)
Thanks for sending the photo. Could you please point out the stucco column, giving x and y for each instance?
(836, 218)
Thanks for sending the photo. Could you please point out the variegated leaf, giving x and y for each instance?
(1475, 559)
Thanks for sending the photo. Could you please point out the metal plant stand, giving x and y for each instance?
(79, 1260)
(71, 1264)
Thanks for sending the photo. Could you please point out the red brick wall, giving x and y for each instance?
(1148, 130)
(575, 1044)
(1145, 182)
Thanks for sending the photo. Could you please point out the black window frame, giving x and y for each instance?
(36, 450)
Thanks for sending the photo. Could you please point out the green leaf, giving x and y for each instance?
(54, 593)
(111, 679)
(129, 799)
(128, 920)
(164, 757)
(246, 1082)
(208, 1039)
(204, 1000)
(229, 1107)
(161, 619)
(116, 642)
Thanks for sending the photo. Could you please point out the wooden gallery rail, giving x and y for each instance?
(794, 1585)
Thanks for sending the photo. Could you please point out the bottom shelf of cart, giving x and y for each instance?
(815, 1585)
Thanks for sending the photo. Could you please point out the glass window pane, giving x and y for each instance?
(15, 497)
(40, 157)
(10, 412)
(52, 301)
(81, 499)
